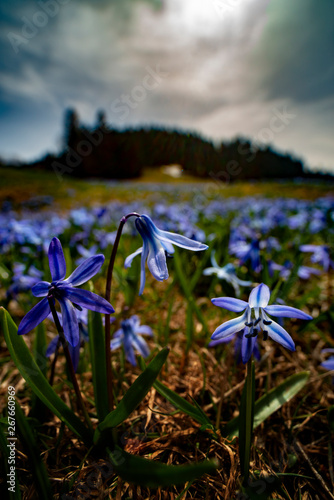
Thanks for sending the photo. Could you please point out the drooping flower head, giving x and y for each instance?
(156, 243)
(65, 293)
(130, 335)
(255, 317)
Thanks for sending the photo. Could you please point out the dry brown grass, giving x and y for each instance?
(295, 439)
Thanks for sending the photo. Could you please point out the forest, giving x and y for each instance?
(107, 152)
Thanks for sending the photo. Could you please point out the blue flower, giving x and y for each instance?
(248, 252)
(242, 348)
(155, 245)
(23, 279)
(320, 255)
(130, 336)
(329, 363)
(226, 273)
(66, 294)
(256, 317)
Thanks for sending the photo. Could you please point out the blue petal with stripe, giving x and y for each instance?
(259, 296)
(235, 305)
(56, 260)
(70, 322)
(34, 317)
(277, 333)
(286, 312)
(86, 270)
(229, 327)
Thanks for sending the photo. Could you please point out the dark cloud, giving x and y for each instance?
(296, 53)
(224, 70)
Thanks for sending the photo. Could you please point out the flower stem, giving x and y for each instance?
(107, 316)
(53, 366)
(69, 361)
(246, 421)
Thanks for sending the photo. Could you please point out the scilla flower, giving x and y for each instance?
(156, 243)
(130, 336)
(255, 317)
(329, 363)
(66, 294)
(320, 255)
(226, 273)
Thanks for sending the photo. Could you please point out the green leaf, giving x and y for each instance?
(15, 494)
(29, 370)
(152, 474)
(184, 282)
(38, 408)
(39, 348)
(271, 402)
(134, 395)
(246, 419)
(37, 466)
(98, 359)
(180, 403)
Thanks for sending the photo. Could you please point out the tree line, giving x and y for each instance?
(103, 151)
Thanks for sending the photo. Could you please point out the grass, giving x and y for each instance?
(19, 186)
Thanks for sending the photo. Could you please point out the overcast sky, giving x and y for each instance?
(262, 69)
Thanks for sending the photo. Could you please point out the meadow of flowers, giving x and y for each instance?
(130, 382)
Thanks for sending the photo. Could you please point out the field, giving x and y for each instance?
(190, 406)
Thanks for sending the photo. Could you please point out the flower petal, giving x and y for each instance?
(210, 270)
(86, 270)
(56, 260)
(142, 268)
(168, 247)
(327, 350)
(173, 238)
(115, 343)
(141, 346)
(277, 333)
(229, 327)
(235, 305)
(329, 364)
(156, 261)
(181, 241)
(259, 296)
(52, 346)
(41, 289)
(128, 349)
(224, 340)
(247, 348)
(309, 248)
(156, 257)
(286, 312)
(143, 330)
(213, 259)
(88, 300)
(75, 355)
(129, 259)
(70, 322)
(35, 316)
